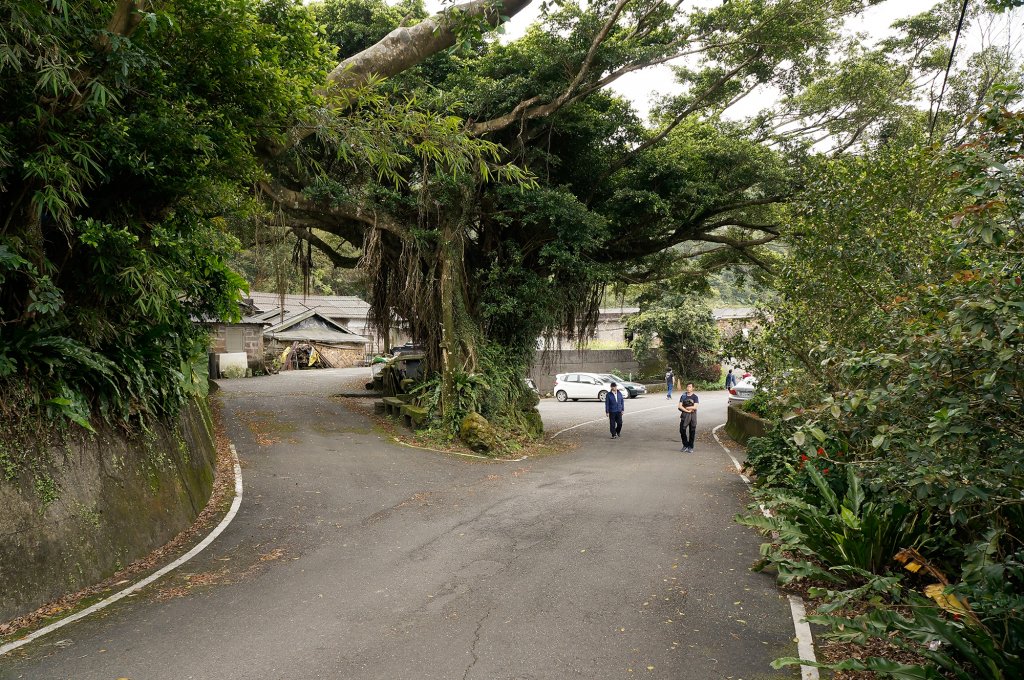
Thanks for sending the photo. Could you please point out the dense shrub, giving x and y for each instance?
(922, 392)
(118, 156)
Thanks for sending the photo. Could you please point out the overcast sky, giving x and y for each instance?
(645, 86)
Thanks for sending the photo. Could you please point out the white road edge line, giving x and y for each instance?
(604, 420)
(235, 504)
(804, 639)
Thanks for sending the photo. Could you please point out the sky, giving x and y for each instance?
(644, 87)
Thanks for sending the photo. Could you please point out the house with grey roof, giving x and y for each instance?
(310, 330)
(348, 311)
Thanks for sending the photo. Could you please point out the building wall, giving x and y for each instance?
(341, 357)
(729, 327)
(338, 356)
(362, 326)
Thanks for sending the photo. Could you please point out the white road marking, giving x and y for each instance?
(804, 639)
(605, 419)
(235, 504)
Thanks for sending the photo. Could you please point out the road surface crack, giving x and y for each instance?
(472, 648)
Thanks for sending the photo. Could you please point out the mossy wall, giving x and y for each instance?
(743, 426)
(82, 511)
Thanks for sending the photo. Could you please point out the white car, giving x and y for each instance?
(576, 386)
(743, 390)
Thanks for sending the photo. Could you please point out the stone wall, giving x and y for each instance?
(252, 341)
(82, 511)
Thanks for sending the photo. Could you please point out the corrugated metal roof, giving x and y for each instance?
(342, 306)
(322, 335)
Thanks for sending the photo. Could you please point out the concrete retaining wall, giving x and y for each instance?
(548, 363)
(742, 426)
(97, 504)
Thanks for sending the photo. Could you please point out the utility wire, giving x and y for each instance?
(945, 77)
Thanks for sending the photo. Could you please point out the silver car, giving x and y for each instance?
(743, 390)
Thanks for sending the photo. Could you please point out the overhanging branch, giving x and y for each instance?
(399, 50)
(337, 259)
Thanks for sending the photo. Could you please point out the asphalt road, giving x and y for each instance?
(355, 557)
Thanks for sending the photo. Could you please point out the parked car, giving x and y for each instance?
(743, 390)
(633, 389)
(576, 386)
(531, 385)
(407, 348)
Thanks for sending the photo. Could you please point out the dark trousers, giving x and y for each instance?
(688, 433)
(615, 422)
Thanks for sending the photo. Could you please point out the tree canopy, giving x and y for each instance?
(488, 190)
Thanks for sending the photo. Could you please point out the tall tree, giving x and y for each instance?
(470, 263)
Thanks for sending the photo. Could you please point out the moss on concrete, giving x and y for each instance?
(77, 510)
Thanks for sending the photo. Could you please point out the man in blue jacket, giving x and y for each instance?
(614, 406)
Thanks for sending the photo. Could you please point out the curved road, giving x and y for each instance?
(354, 557)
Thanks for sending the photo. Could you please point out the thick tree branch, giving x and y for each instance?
(729, 222)
(405, 47)
(399, 50)
(735, 243)
(295, 201)
(338, 260)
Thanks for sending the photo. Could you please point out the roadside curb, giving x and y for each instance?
(102, 604)
(804, 638)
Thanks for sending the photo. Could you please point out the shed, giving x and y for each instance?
(339, 346)
(245, 335)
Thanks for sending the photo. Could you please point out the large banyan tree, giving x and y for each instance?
(515, 187)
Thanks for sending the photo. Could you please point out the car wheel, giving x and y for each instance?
(560, 395)
(632, 395)
(601, 395)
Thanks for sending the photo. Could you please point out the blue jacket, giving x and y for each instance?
(613, 402)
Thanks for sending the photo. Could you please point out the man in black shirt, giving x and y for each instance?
(688, 425)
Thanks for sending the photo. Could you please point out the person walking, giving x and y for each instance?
(670, 378)
(614, 407)
(730, 380)
(688, 418)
